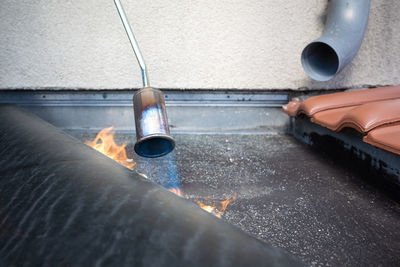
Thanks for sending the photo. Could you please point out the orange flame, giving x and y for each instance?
(220, 208)
(176, 191)
(214, 210)
(211, 209)
(142, 174)
(225, 203)
(108, 147)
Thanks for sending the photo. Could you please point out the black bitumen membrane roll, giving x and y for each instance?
(64, 204)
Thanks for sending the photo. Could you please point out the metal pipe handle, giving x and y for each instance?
(152, 129)
(134, 43)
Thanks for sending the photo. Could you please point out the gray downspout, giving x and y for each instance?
(344, 31)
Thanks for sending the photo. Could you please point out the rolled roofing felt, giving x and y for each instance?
(63, 203)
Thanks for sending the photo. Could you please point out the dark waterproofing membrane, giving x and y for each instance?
(64, 204)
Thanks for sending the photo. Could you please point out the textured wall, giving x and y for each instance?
(187, 44)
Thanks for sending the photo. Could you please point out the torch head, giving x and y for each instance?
(152, 130)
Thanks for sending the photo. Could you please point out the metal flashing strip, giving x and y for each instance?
(124, 98)
(202, 112)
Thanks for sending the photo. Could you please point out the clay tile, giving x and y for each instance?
(291, 107)
(331, 119)
(387, 138)
(346, 99)
(369, 116)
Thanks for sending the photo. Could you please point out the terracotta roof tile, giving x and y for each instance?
(339, 100)
(292, 107)
(387, 138)
(331, 119)
(362, 118)
(373, 111)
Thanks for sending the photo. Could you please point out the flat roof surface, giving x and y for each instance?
(323, 210)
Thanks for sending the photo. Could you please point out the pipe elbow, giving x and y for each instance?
(344, 31)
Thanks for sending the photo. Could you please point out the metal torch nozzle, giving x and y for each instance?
(152, 130)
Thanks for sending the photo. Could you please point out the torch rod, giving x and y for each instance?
(134, 43)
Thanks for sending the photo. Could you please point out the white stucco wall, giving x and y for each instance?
(233, 44)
